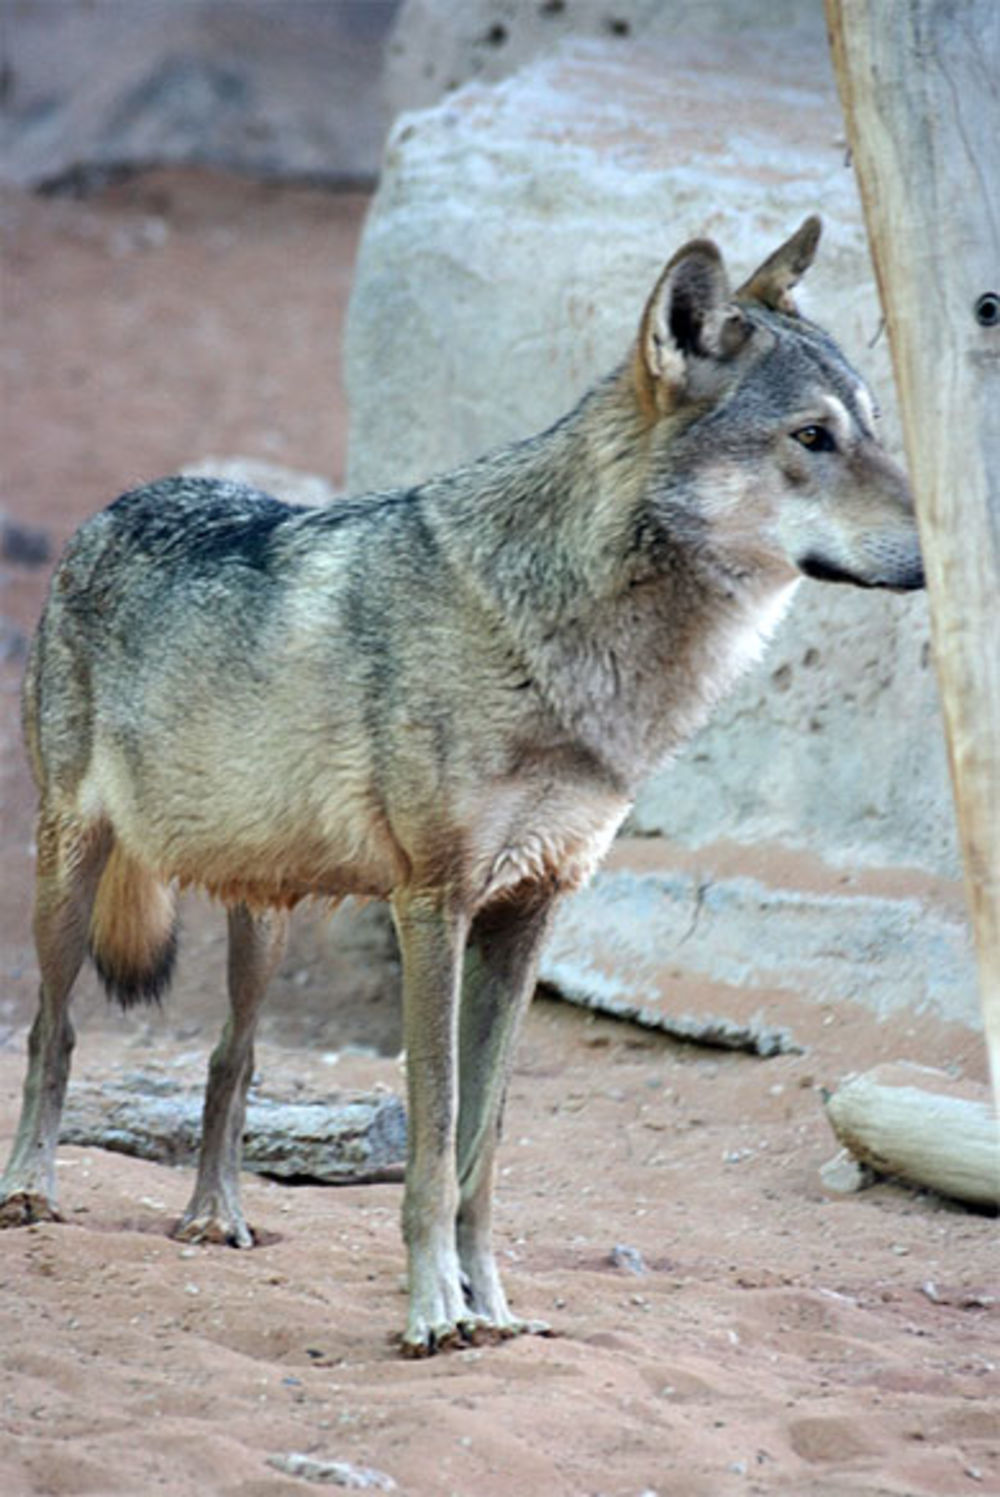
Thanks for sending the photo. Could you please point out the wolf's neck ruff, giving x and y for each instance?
(626, 610)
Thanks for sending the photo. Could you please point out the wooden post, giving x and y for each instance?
(919, 83)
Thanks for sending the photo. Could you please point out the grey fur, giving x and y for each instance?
(445, 697)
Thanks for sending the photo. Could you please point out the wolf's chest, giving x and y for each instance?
(555, 838)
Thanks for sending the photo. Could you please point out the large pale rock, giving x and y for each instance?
(514, 237)
(515, 234)
(517, 229)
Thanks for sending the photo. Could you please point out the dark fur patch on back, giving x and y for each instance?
(128, 988)
(205, 521)
(245, 541)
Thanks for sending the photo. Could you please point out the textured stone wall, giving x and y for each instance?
(801, 851)
(438, 45)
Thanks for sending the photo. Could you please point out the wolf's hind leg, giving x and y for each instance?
(498, 983)
(256, 944)
(70, 862)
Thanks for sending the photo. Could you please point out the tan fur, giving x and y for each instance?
(132, 922)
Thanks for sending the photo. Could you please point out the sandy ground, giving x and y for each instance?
(776, 1340)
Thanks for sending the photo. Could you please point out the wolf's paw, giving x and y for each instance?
(421, 1339)
(539, 1328)
(21, 1208)
(513, 1325)
(228, 1229)
(487, 1302)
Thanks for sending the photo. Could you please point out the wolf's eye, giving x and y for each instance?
(816, 438)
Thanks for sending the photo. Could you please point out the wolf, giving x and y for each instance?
(444, 696)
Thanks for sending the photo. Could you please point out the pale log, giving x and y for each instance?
(919, 83)
(341, 1140)
(920, 1125)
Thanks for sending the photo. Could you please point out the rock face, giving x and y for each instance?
(437, 45)
(514, 237)
(511, 245)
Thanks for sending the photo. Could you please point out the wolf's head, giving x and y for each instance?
(762, 435)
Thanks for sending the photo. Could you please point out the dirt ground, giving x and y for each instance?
(775, 1339)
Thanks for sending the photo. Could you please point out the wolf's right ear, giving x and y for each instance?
(771, 283)
(689, 316)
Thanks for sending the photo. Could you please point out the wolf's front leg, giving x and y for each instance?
(256, 943)
(499, 980)
(431, 938)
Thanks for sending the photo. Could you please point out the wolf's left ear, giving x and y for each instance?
(772, 282)
(689, 317)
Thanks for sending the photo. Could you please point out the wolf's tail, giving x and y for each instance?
(133, 931)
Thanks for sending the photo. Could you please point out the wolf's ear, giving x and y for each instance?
(689, 316)
(772, 282)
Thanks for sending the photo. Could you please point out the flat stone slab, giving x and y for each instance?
(705, 954)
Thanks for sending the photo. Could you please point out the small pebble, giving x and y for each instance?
(629, 1258)
(333, 1473)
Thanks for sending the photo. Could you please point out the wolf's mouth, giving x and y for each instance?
(825, 571)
